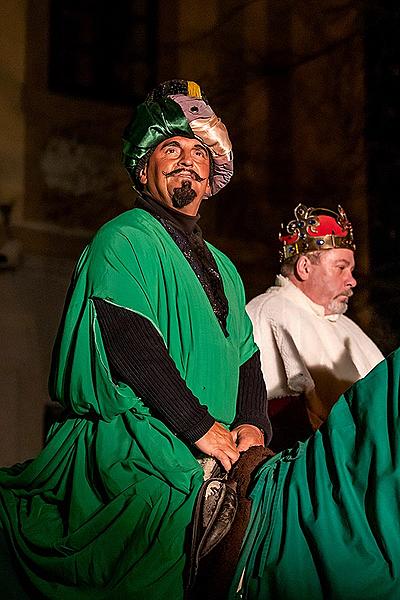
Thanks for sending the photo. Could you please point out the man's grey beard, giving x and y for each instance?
(184, 195)
(337, 307)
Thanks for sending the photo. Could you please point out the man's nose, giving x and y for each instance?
(351, 281)
(186, 158)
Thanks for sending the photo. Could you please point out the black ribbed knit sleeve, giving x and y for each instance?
(137, 356)
(252, 403)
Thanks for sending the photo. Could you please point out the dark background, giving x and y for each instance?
(113, 55)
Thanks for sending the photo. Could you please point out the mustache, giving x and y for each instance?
(347, 293)
(194, 175)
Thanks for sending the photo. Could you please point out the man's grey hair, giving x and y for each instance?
(287, 268)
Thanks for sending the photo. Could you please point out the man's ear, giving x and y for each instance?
(208, 189)
(302, 268)
(143, 175)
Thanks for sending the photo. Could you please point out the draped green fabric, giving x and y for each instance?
(103, 511)
(326, 514)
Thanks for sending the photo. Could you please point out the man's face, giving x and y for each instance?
(177, 174)
(331, 280)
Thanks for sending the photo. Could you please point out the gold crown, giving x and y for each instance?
(315, 229)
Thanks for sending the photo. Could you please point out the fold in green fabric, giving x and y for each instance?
(103, 511)
(326, 514)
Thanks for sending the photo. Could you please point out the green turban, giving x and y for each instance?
(177, 108)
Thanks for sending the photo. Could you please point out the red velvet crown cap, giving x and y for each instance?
(327, 226)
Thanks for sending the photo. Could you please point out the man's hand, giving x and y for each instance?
(219, 443)
(247, 435)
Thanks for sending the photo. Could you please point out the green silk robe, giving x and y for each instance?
(103, 511)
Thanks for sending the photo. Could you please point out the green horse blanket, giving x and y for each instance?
(326, 514)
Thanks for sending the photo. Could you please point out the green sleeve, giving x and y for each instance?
(110, 268)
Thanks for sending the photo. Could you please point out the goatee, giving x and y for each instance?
(184, 195)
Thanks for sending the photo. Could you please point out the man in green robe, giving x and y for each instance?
(155, 365)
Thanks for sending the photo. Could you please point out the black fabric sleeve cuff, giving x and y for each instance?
(137, 356)
(252, 403)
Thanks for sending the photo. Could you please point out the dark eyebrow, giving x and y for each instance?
(170, 143)
(177, 145)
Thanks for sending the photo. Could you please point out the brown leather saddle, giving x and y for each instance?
(221, 516)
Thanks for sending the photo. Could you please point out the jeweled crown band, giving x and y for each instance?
(323, 243)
